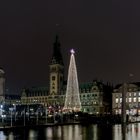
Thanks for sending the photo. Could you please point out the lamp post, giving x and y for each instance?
(11, 112)
(46, 114)
(24, 116)
(1, 109)
(15, 113)
(124, 91)
(37, 117)
(28, 113)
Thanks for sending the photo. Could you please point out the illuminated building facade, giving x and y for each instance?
(94, 96)
(35, 95)
(54, 95)
(132, 98)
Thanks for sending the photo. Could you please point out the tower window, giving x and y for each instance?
(61, 78)
(53, 78)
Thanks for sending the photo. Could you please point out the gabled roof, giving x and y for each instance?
(89, 86)
(12, 97)
(35, 90)
(130, 87)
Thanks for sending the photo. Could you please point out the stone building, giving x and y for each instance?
(54, 95)
(132, 98)
(35, 95)
(95, 96)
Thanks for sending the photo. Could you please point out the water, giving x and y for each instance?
(75, 132)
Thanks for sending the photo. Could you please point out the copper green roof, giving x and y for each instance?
(88, 86)
(32, 89)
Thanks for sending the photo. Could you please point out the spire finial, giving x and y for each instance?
(72, 51)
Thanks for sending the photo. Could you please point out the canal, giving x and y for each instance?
(75, 132)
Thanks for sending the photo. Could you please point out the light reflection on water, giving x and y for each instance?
(75, 132)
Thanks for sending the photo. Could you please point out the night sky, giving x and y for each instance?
(105, 35)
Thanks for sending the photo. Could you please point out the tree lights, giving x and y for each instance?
(72, 100)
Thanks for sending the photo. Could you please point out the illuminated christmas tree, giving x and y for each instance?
(72, 100)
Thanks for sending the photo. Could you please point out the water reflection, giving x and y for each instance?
(2, 136)
(76, 132)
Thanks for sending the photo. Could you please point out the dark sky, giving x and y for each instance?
(104, 33)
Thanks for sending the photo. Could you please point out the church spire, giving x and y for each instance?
(57, 56)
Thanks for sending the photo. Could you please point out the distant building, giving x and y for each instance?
(12, 99)
(132, 99)
(95, 97)
(6, 98)
(2, 85)
(35, 95)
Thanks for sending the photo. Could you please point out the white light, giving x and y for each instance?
(72, 100)
(1, 106)
(72, 51)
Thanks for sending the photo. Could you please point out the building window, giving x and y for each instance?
(61, 79)
(53, 78)
(135, 93)
(129, 94)
(117, 100)
(134, 99)
(129, 89)
(120, 100)
(138, 99)
(130, 100)
(139, 93)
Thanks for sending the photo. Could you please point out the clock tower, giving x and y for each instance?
(56, 69)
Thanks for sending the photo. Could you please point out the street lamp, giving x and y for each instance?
(11, 110)
(1, 113)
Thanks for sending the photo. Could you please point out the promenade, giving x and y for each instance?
(67, 119)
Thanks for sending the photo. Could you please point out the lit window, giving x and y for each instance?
(134, 99)
(120, 100)
(139, 93)
(117, 100)
(129, 94)
(130, 100)
(138, 99)
(135, 93)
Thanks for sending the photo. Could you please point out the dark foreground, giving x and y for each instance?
(74, 132)
(58, 120)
